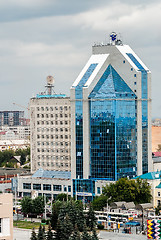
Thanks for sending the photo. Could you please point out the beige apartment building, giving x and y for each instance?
(6, 216)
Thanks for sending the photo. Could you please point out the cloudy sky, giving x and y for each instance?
(54, 37)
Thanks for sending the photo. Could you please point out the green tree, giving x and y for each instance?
(85, 235)
(33, 235)
(38, 205)
(61, 197)
(128, 190)
(159, 148)
(99, 203)
(94, 235)
(76, 234)
(55, 212)
(49, 235)
(91, 218)
(41, 234)
(27, 205)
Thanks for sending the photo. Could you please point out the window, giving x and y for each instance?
(158, 194)
(65, 188)
(0, 225)
(36, 186)
(26, 185)
(158, 202)
(98, 190)
(57, 188)
(47, 187)
(123, 61)
(134, 75)
(69, 188)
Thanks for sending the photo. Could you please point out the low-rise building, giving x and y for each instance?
(6, 216)
(154, 179)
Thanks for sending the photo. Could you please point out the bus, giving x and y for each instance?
(107, 218)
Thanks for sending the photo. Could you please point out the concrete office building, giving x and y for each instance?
(111, 117)
(50, 130)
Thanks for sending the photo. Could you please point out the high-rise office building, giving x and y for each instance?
(111, 117)
(50, 130)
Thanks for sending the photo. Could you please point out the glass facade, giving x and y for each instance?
(144, 84)
(83, 186)
(79, 120)
(112, 128)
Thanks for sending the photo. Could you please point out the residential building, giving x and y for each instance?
(6, 216)
(50, 131)
(111, 117)
(154, 180)
(13, 144)
(14, 132)
(11, 118)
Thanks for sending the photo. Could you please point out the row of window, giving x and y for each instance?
(55, 150)
(61, 108)
(53, 115)
(53, 122)
(47, 187)
(61, 143)
(53, 157)
(52, 136)
(52, 164)
(52, 129)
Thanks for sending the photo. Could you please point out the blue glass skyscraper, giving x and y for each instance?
(110, 114)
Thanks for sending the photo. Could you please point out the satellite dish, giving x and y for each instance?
(50, 80)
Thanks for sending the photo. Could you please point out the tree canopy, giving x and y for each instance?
(127, 190)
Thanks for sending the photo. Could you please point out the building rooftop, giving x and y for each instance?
(150, 175)
(50, 96)
(51, 174)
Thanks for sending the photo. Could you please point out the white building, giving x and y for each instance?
(50, 132)
(14, 132)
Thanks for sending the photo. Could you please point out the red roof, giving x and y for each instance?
(157, 154)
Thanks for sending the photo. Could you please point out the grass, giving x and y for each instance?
(26, 224)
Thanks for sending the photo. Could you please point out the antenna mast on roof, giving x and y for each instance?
(50, 85)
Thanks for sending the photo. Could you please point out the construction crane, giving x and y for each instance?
(27, 108)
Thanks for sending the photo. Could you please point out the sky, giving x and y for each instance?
(52, 37)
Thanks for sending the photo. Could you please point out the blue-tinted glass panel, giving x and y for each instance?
(144, 122)
(78, 89)
(79, 120)
(135, 61)
(84, 189)
(113, 128)
(111, 85)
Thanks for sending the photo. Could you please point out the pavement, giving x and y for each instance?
(25, 234)
(21, 234)
(104, 235)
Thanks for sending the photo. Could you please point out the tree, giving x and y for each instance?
(33, 235)
(128, 190)
(76, 234)
(94, 235)
(91, 218)
(27, 205)
(85, 235)
(55, 213)
(38, 205)
(41, 234)
(159, 148)
(99, 203)
(49, 235)
(61, 197)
